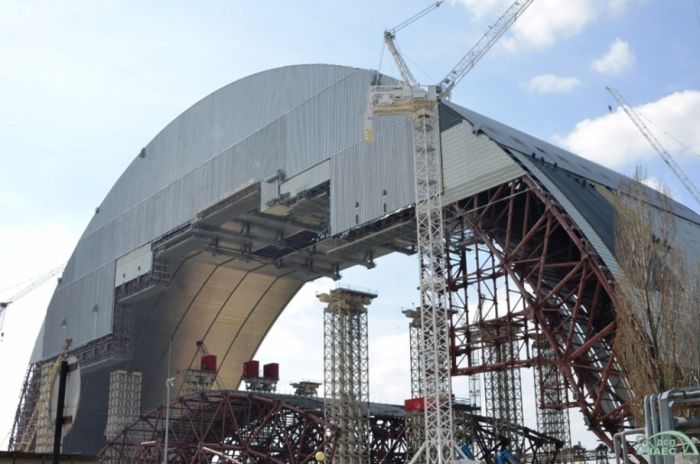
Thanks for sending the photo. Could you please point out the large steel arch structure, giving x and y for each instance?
(267, 183)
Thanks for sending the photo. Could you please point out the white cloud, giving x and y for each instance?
(617, 60)
(551, 83)
(547, 21)
(614, 141)
(657, 184)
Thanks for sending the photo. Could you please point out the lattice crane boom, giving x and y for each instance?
(406, 74)
(33, 285)
(665, 155)
(491, 36)
(389, 40)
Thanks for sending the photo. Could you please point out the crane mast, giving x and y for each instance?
(666, 156)
(421, 103)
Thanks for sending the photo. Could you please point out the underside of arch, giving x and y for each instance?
(522, 278)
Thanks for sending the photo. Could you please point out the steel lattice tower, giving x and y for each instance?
(503, 390)
(486, 317)
(415, 425)
(551, 396)
(415, 334)
(346, 371)
(436, 380)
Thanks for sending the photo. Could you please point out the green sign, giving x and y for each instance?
(668, 443)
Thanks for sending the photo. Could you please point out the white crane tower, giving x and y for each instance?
(421, 103)
(666, 156)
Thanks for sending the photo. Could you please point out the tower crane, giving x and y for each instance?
(421, 103)
(33, 285)
(666, 156)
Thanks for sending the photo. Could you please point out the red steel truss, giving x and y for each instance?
(233, 426)
(521, 273)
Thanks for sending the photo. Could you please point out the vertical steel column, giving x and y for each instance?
(502, 389)
(346, 371)
(415, 424)
(415, 334)
(551, 396)
(436, 383)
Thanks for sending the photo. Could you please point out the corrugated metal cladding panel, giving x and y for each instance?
(525, 143)
(81, 311)
(290, 118)
(328, 123)
(307, 179)
(473, 163)
(369, 180)
(213, 124)
(133, 265)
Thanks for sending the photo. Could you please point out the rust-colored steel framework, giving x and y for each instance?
(234, 426)
(520, 272)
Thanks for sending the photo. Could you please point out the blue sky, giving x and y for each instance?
(84, 85)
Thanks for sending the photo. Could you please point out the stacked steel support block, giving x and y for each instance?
(551, 395)
(124, 403)
(346, 371)
(197, 381)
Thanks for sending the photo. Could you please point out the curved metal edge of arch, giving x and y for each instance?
(522, 279)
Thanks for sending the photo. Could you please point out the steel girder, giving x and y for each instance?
(553, 286)
(235, 426)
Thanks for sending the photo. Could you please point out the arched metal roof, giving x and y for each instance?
(255, 189)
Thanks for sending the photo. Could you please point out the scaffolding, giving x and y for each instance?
(415, 343)
(519, 269)
(37, 429)
(306, 388)
(551, 395)
(197, 381)
(346, 379)
(488, 324)
(28, 398)
(124, 404)
(44, 426)
(415, 424)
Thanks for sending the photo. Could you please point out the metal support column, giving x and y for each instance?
(415, 425)
(124, 404)
(437, 388)
(551, 396)
(346, 371)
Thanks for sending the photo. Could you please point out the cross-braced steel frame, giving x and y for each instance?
(224, 426)
(551, 394)
(566, 292)
(435, 373)
(346, 371)
(415, 419)
(487, 436)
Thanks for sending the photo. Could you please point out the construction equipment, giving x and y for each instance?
(422, 104)
(666, 156)
(40, 409)
(33, 285)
